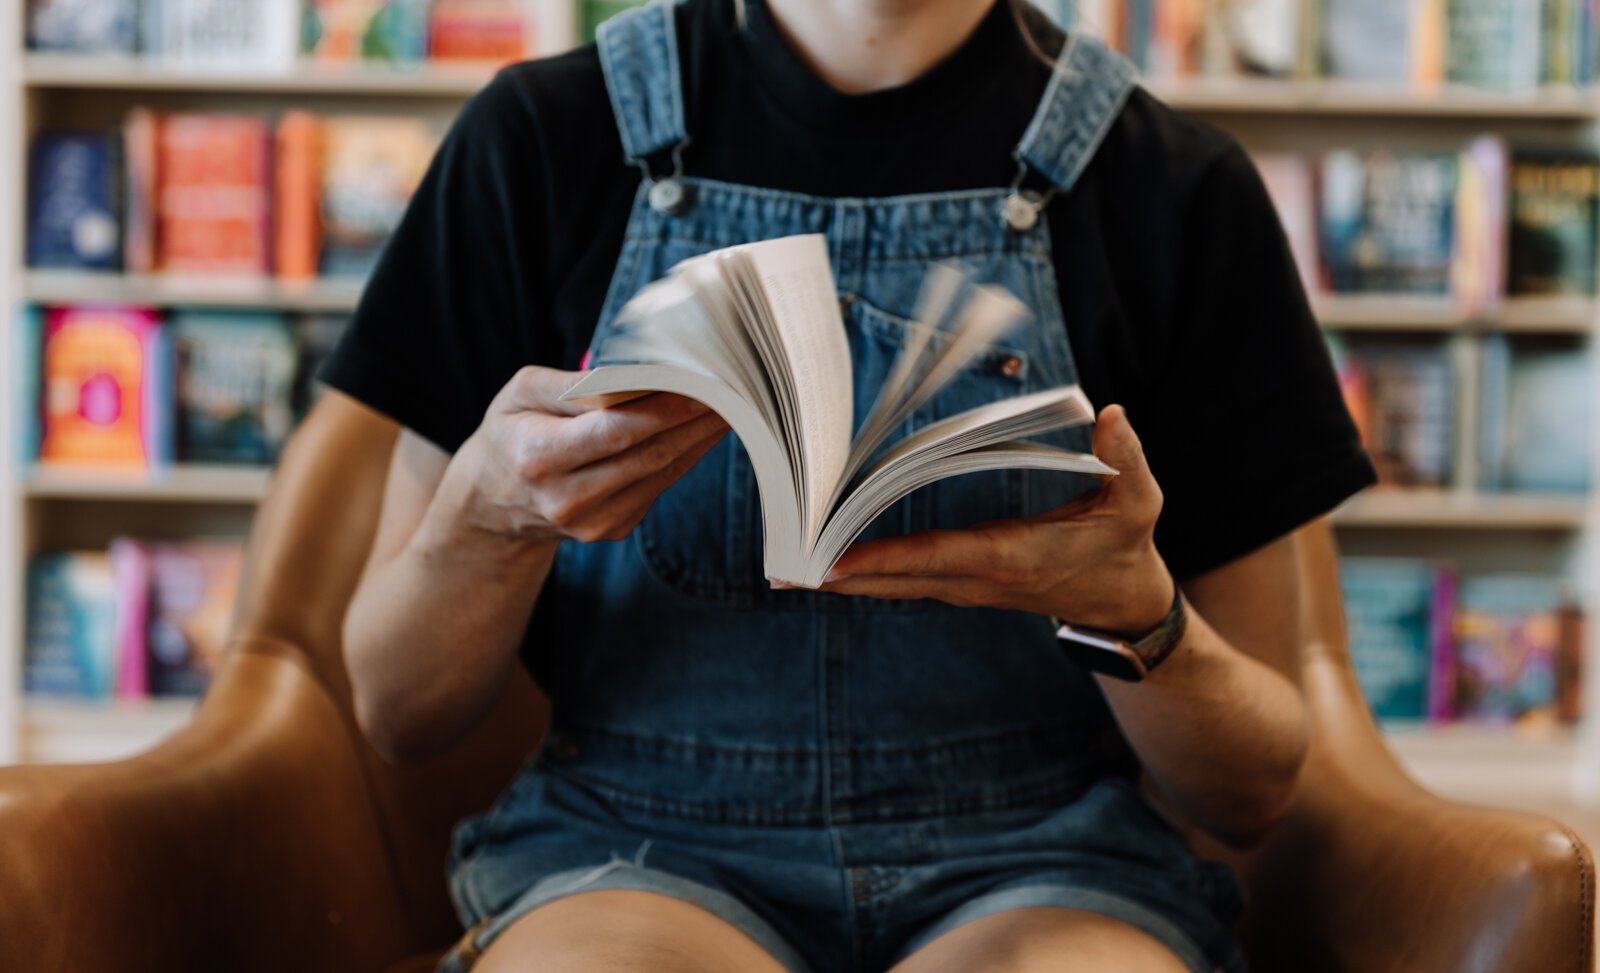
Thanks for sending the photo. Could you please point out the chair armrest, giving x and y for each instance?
(1372, 873)
(243, 842)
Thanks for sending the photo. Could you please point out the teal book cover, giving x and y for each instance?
(70, 643)
(1395, 618)
(235, 386)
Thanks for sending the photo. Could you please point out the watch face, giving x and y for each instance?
(1098, 654)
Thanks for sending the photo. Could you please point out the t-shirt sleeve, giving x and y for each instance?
(1247, 432)
(445, 319)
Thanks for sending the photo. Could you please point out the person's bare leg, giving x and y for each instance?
(623, 931)
(1043, 940)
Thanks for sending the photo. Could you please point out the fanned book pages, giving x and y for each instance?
(754, 332)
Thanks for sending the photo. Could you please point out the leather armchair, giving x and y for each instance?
(269, 836)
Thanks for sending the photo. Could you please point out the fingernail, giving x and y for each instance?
(780, 585)
(834, 574)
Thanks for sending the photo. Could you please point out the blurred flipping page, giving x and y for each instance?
(754, 332)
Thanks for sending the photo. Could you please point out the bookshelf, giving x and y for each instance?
(41, 508)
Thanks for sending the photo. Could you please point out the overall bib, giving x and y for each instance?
(843, 779)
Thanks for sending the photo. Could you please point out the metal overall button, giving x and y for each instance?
(1022, 210)
(670, 196)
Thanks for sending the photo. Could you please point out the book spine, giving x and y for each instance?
(297, 243)
(26, 368)
(139, 135)
(1442, 648)
(130, 570)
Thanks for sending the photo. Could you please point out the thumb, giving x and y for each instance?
(1118, 446)
(537, 389)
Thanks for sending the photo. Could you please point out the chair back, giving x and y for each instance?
(307, 548)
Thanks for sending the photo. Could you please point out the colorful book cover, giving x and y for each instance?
(236, 35)
(107, 389)
(316, 338)
(1411, 414)
(1549, 419)
(371, 166)
(74, 198)
(395, 31)
(213, 202)
(130, 573)
(71, 625)
(84, 26)
(493, 31)
(1389, 222)
(235, 380)
(1555, 215)
(27, 368)
(1508, 649)
(297, 222)
(1495, 43)
(1395, 611)
(193, 587)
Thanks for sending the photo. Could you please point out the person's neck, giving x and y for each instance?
(858, 46)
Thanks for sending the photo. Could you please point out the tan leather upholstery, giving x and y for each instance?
(268, 836)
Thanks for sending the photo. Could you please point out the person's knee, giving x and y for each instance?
(1044, 940)
(623, 931)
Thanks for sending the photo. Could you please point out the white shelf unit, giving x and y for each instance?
(1475, 763)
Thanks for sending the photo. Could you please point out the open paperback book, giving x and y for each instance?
(755, 333)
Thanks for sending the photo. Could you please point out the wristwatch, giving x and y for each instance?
(1118, 656)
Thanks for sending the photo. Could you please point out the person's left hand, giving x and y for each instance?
(1092, 562)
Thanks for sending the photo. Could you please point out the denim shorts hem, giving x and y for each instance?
(1034, 895)
(621, 874)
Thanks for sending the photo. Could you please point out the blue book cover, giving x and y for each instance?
(235, 385)
(1394, 621)
(1549, 435)
(84, 26)
(1368, 40)
(70, 647)
(1388, 223)
(1494, 397)
(74, 201)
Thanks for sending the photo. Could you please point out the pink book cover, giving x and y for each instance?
(1442, 650)
(130, 573)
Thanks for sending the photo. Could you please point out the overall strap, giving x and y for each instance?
(1085, 95)
(639, 57)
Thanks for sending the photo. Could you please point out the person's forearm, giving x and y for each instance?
(432, 634)
(1222, 736)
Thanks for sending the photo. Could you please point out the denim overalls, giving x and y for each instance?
(842, 779)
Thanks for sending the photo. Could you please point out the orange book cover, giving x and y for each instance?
(478, 30)
(213, 196)
(107, 389)
(297, 226)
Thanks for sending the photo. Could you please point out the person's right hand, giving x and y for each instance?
(541, 469)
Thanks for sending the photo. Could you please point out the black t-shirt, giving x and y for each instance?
(1180, 294)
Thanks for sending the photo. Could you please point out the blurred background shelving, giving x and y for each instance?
(1302, 113)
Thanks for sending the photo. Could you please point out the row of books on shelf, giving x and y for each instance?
(1431, 646)
(1467, 227)
(126, 388)
(1510, 45)
(1535, 413)
(234, 195)
(272, 34)
(142, 618)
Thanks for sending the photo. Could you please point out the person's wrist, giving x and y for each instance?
(468, 517)
(1134, 601)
